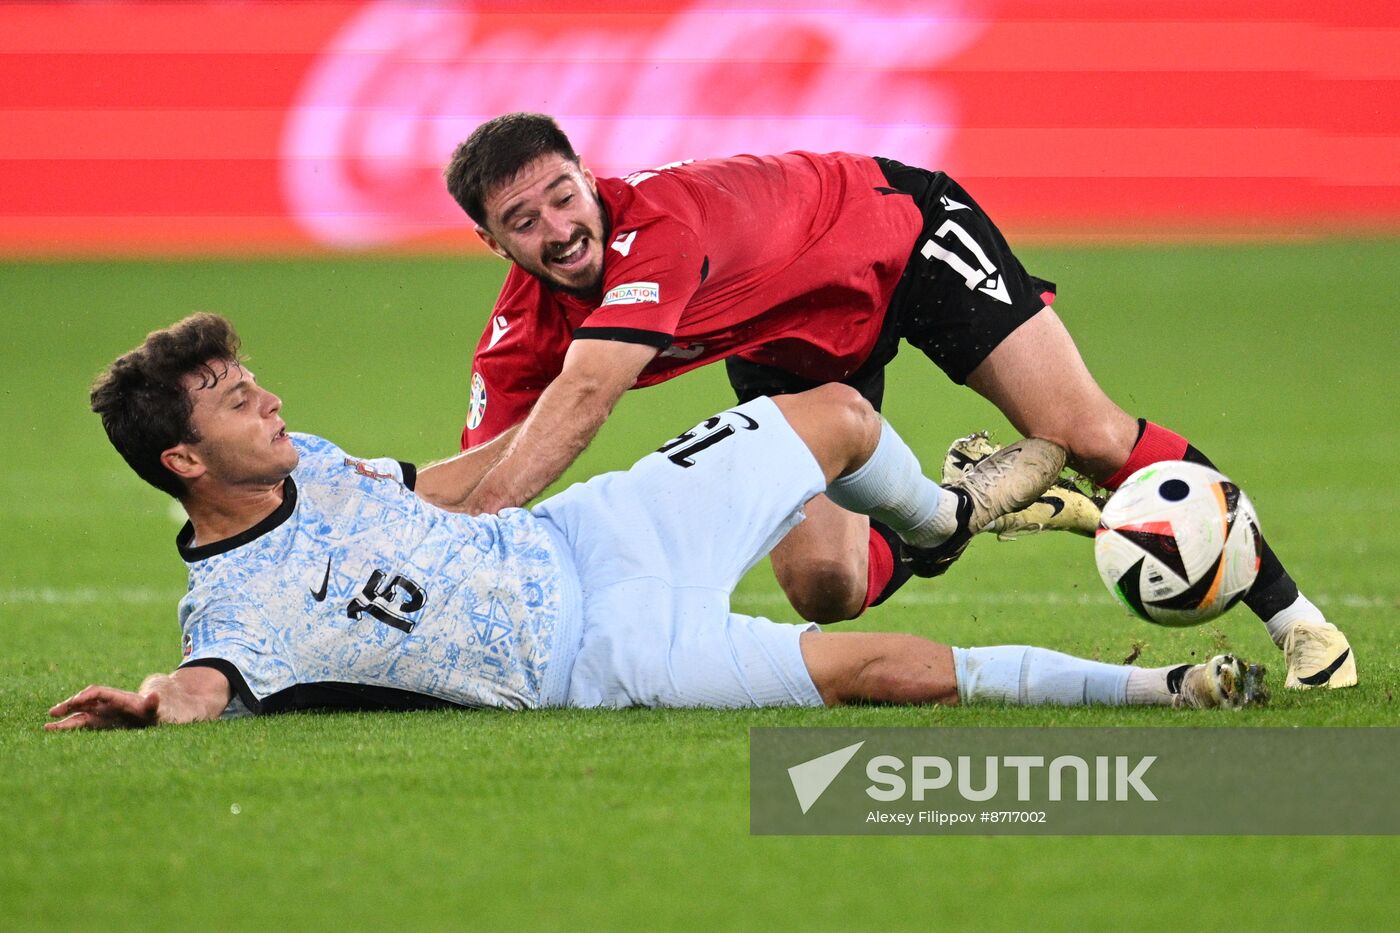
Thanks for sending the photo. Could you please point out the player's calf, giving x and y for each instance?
(825, 588)
(873, 667)
(879, 667)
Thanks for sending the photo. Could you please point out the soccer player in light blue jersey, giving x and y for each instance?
(321, 580)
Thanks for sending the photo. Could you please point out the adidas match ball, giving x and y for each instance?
(1178, 543)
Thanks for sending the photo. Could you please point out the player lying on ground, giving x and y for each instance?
(797, 269)
(320, 580)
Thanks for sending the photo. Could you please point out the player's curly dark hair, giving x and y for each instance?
(496, 151)
(145, 408)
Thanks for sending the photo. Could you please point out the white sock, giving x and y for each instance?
(1147, 686)
(891, 488)
(1300, 609)
(1028, 676)
(940, 526)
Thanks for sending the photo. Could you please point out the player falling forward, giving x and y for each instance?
(797, 269)
(321, 580)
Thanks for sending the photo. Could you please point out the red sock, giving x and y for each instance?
(879, 569)
(1154, 444)
(884, 573)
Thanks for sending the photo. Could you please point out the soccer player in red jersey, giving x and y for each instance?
(796, 269)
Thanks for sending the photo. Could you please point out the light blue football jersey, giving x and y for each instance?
(355, 592)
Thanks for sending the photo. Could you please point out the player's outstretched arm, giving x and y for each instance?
(448, 483)
(563, 421)
(191, 694)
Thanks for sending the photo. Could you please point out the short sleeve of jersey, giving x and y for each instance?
(233, 641)
(650, 274)
(517, 357)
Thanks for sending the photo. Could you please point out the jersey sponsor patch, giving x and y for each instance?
(478, 402)
(633, 293)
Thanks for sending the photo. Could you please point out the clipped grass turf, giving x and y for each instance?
(1277, 360)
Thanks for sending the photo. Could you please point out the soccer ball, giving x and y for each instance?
(1178, 543)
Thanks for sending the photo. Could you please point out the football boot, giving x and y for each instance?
(1318, 656)
(1223, 681)
(1006, 480)
(1070, 504)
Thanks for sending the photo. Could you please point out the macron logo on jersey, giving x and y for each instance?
(623, 244)
(499, 326)
(633, 293)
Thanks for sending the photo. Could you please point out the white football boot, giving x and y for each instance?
(1318, 656)
(1065, 506)
(1006, 480)
(1224, 681)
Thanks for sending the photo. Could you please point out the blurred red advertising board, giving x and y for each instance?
(218, 127)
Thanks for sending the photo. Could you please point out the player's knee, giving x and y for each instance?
(823, 590)
(854, 406)
(836, 422)
(857, 418)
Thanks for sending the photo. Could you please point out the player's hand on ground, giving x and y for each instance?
(105, 708)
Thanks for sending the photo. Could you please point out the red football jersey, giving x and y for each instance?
(789, 261)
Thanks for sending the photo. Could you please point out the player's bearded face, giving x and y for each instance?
(548, 220)
(242, 438)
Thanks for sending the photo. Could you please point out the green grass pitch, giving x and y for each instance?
(1278, 360)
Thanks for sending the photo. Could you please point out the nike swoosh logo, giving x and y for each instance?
(1057, 504)
(320, 595)
(1322, 676)
(752, 424)
(962, 461)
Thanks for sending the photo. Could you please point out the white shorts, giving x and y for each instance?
(660, 548)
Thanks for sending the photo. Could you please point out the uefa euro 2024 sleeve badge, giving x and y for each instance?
(478, 402)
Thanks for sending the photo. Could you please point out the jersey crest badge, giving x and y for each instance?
(633, 293)
(478, 402)
(187, 645)
(364, 469)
